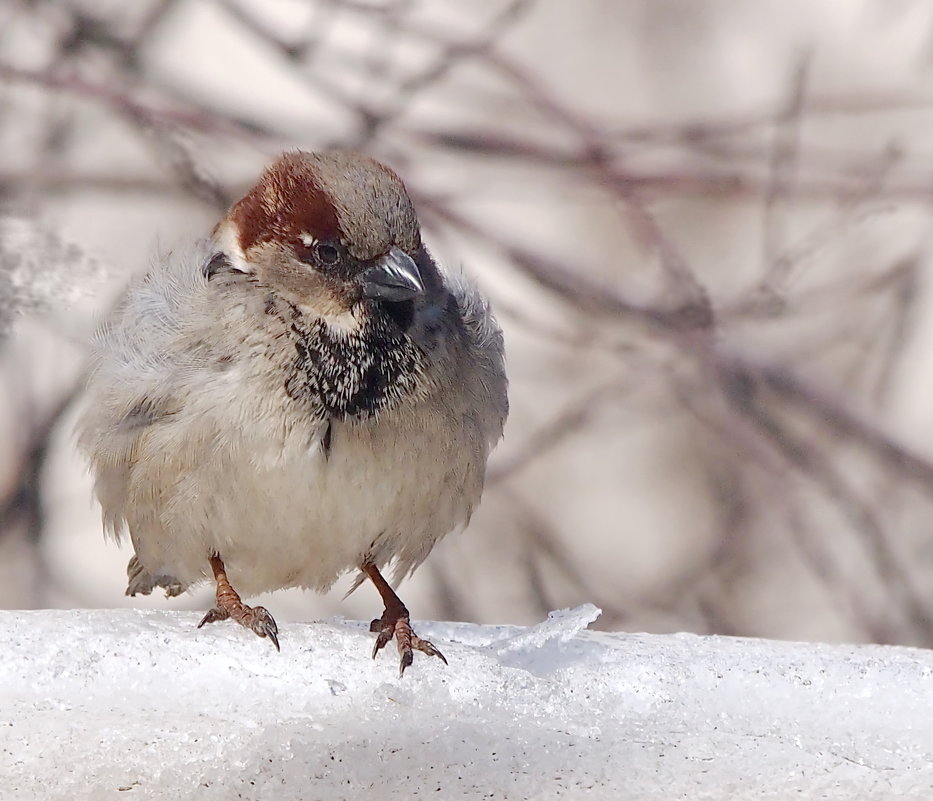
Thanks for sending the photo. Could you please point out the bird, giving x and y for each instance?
(304, 393)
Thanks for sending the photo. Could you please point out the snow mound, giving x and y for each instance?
(133, 704)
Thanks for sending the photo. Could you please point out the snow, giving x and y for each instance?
(135, 704)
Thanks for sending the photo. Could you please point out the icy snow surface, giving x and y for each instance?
(131, 704)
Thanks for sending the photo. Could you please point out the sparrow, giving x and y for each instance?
(303, 394)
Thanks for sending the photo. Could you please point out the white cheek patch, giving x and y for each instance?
(227, 241)
(308, 240)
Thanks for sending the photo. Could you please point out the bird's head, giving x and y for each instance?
(329, 232)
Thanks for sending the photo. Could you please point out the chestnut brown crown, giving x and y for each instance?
(336, 195)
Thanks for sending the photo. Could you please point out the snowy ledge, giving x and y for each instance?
(133, 704)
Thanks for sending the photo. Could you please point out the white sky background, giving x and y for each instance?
(141, 705)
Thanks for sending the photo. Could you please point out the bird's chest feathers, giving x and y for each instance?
(352, 371)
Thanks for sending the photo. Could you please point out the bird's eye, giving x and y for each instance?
(327, 254)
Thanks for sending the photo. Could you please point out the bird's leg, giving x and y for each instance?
(229, 605)
(394, 623)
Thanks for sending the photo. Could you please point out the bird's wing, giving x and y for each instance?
(133, 381)
(485, 355)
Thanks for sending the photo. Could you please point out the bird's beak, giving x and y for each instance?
(392, 277)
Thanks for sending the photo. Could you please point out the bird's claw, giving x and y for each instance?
(405, 639)
(213, 615)
(264, 625)
(260, 621)
(385, 634)
(256, 618)
(426, 647)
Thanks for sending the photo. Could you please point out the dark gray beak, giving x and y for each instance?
(392, 277)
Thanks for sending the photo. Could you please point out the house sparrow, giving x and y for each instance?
(302, 395)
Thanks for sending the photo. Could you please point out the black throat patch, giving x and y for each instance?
(356, 374)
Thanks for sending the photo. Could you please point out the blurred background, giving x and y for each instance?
(704, 227)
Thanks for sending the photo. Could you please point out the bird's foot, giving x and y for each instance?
(394, 624)
(256, 618)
